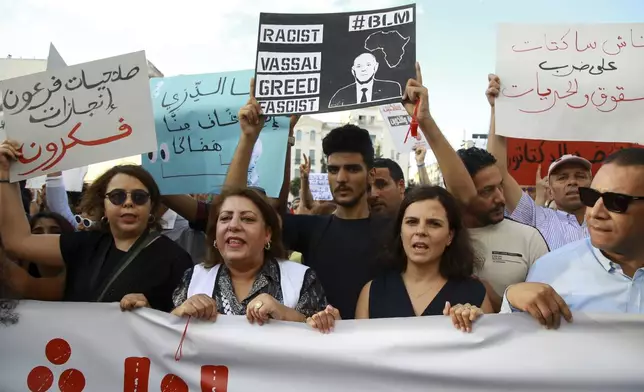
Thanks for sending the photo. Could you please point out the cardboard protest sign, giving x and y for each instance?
(197, 128)
(319, 186)
(74, 116)
(525, 156)
(397, 121)
(72, 178)
(571, 82)
(316, 63)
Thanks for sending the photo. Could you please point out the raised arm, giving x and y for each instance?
(420, 154)
(57, 200)
(14, 228)
(497, 146)
(457, 178)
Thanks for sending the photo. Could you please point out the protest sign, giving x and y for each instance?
(571, 82)
(525, 156)
(96, 347)
(197, 128)
(72, 178)
(319, 186)
(316, 63)
(74, 116)
(397, 121)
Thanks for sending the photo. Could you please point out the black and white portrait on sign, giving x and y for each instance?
(321, 63)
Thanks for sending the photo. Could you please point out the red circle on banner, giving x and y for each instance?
(40, 379)
(172, 383)
(71, 380)
(58, 351)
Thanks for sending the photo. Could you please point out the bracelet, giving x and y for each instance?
(420, 164)
(5, 181)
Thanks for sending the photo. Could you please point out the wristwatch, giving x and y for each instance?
(291, 141)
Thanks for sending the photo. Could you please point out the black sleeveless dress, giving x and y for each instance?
(388, 296)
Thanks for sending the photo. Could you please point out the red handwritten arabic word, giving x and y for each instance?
(136, 376)
(562, 44)
(598, 98)
(64, 146)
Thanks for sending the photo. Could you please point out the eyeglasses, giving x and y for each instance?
(614, 202)
(87, 223)
(119, 196)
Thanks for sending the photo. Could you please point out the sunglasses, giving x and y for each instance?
(614, 202)
(87, 223)
(119, 196)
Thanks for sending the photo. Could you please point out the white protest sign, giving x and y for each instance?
(96, 347)
(319, 186)
(79, 115)
(397, 121)
(571, 82)
(73, 178)
(3, 131)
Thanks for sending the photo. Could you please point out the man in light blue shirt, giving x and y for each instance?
(604, 273)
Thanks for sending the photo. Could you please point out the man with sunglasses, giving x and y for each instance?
(603, 273)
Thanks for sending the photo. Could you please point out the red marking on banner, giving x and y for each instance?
(58, 351)
(71, 380)
(40, 379)
(136, 375)
(179, 353)
(173, 383)
(214, 378)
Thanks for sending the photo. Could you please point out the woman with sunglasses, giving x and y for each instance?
(126, 256)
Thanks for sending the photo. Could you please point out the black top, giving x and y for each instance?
(268, 281)
(345, 253)
(388, 296)
(155, 272)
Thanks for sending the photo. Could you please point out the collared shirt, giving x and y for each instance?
(369, 92)
(557, 227)
(588, 281)
(312, 298)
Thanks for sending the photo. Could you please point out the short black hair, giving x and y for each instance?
(349, 138)
(633, 156)
(475, 159)
(395, 171)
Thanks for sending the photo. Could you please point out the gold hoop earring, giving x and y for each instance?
(268, 245)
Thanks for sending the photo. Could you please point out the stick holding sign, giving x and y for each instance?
(74, 116)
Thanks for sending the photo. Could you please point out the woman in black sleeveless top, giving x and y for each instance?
(433, 262)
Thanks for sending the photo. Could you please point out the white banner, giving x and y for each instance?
(96, 347)
(319, 186)
(397, 122)
(74, 116)
(571, 82)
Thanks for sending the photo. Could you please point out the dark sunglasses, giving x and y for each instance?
(119, 196)
(87, 223)
(614, 202)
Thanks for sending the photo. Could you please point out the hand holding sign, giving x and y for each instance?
(9, 151)
(250, 116)
(493, 88)
(416, 94)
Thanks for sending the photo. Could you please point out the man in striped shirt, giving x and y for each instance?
(565, 175)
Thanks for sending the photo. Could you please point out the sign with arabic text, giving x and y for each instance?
(90, 347)
(78, 115)
(316, 63)
(319, 186)
(197, 129)
(571, 82)
(397, 122)
(525, 156)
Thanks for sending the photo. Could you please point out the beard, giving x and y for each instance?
(350, 203)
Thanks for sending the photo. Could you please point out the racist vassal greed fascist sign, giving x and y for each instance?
(316, 63)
